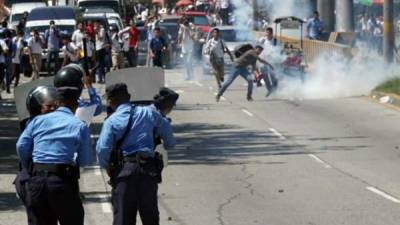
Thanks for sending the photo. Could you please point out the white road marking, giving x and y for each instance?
(247, 112)
(106, 204)
(276, 133)
(97, 172)
(383, 194)
(326, 165)
(179, 91)
(198, 84)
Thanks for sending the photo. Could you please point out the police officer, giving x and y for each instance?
(40, 100)
(74, 75)
(58, 143)
(165, 100)
(135, 183)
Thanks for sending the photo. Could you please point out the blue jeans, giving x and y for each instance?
(243, 72)
(188, 57)
(52, 57)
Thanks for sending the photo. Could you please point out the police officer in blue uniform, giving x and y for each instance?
(40, 100)
(58, 143)
(134, 185)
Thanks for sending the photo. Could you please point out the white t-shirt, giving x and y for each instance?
(215, 47)
(77, 37)
(17, 57)
(271, 52)
(89, 48)
(70, 51)
(100, 39)
(36, 46)
(144, 14)
(224, 4)
(5, 49)
(116, 44)
(187, 42)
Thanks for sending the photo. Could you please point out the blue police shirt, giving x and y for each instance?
(54, 138)
(94, 100)
(141, 135)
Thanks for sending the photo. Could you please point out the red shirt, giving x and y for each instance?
(89, 29)
(133, 37)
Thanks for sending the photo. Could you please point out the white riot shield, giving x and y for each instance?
(21, 93)
(143, 82)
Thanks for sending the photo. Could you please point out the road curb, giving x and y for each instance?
(386, 98)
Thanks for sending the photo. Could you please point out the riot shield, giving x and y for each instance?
(143, 82)
(22, 91)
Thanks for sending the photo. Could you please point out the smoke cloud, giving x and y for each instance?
(334, 76)
(331, 76)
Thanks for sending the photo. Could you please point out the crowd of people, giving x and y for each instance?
(370, 30)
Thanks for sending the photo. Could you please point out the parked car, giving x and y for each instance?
(113, 18)
(232, 38)
(200, 19)
(65, 19)
(18, 10)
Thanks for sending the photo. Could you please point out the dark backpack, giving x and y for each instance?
(241, 49)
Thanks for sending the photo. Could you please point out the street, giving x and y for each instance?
(271, 161)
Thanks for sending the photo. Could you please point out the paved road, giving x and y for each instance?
(270, 161)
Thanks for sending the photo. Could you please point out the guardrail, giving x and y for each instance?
(313, 48)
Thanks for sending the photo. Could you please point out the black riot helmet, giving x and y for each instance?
(39, 96)
(68, 81)
(165, 99)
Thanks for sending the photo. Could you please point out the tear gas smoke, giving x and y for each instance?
(334, 76)
(331, 76)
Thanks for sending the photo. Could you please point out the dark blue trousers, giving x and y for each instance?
(55, 199)
(133, 190)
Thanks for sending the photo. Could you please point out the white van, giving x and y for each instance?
(18, 9)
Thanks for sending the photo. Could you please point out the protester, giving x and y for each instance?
(116, 49)
(315, 27)
(4, 11)
(100, 51)
(216, 48)
(77, 36)
(18, 47)
(70, 51)
(52, 39)
(3, 52)
(248, 58)
(133, 42)
(186, 43)
(158, 46)
(8, 57)
(90, 50)
(35, 45)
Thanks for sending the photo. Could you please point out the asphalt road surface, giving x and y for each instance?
(270, 161)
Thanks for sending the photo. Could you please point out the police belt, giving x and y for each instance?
(136, 158)
(61, 170)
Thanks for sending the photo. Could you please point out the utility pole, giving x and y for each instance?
(326, 9)
(344, 16)
(388, 31)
